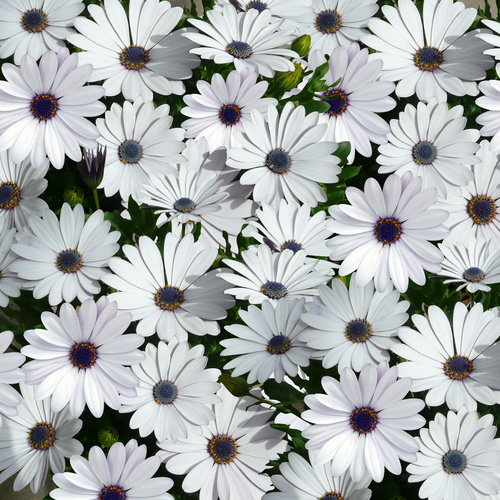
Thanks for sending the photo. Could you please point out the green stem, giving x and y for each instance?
(96, 198)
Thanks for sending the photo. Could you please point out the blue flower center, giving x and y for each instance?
(239, 50)
(428, 58)
(291, 245)
(10, 196)
(184, 205)
(230, 114)
(278, 344)
(42, 436)
(424, 153)
(34, 20)
(69, 261)
(260, 6)
(274, 290)
(164, 392)
(328, 21)
(130, 151)
(278, 161)
(454, 462)
(169, 298)
(331, 496)
(338, 105)
(387, 230)
(112, 493)
(473, 274)
(482, 209)
(44, 106)
(358, 330)
(222, 448)
(83, 355)
(458, 367)
(134, 57)
(363, 420)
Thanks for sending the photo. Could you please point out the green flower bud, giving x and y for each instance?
(237, 386)
(107, 436)
(302, 45)
(73, 195)
(289, 79)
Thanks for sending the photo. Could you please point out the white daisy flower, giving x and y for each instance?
(352, 115)
(278, 152)
(291, 227)
(248, 39)
(300, 480)
(65, 258)
(80, 358)
(269, 344)
(42, 109)
(273, 276)
(227, 461)
(475, 212)
(331, 23)
(474, 265)
(170, 295)
(10, 373)
(359, 425)
(458, 366)
(20, 186)
(224, 106)
(353, 327)
(202, 190)
(34, 439)
(10, 283)
(385, 234)
(174, 393)
(490, 120)
(136, 55)
(458, 457)
(124, 473)
(140, 144)
(36, 26)
(430, 55)
(431, 142)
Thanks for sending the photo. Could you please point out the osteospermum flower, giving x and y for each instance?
(475, 212)
(42, 109)
(170, 295)
(474, 265)
(458, 457)
(202, 190)
(227, 461)
(352, 115)
(274, 276)
(124, 473)
(385, 234)
(87, 353)
(35, 26)
(331, 23)
(140, 144)
(431, 142)
(10, 284)
(34, 439)
(269, 344)
(359, 425)
(433, 55)
(458, 366)
(299, 480)
(65, 258)
(10, 373)
(249, 39)
(292, 227)
(277, 154)
(136, 55)
(174, 392)
(20, 186)
(224, 106)
(355, 326)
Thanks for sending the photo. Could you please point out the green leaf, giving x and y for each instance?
(349, 171)
(343, 152)
(319, 106)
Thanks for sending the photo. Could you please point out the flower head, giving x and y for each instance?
(91, 166)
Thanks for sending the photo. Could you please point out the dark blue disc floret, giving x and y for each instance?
(169, 298)
(458, 367)
(130, 151)
(428, 58)
(134, 57)
(331, 495)
(279, 161)
(274, 290)
(230, 114)
(184, 205)
(387, 230)
(338, 104)
(10, 195)
(222, 448)
(257, 5)
(83, 355)
(291, 245)
(112, 493)
(473, 274)
(34, 20)
(358, 330)
(482, 209)
(69, 261)
(424, 153)
(454, 462)
(278, 344)
(44, 106)
(41, 436)
(363, 420)
(239, 50)
(328, 21)
(165, 392)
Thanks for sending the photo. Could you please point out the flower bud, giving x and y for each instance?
(237, 386)
(73, 195)
(302, 45)
(107, 436)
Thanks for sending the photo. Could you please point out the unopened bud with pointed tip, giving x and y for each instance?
(302, 45)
